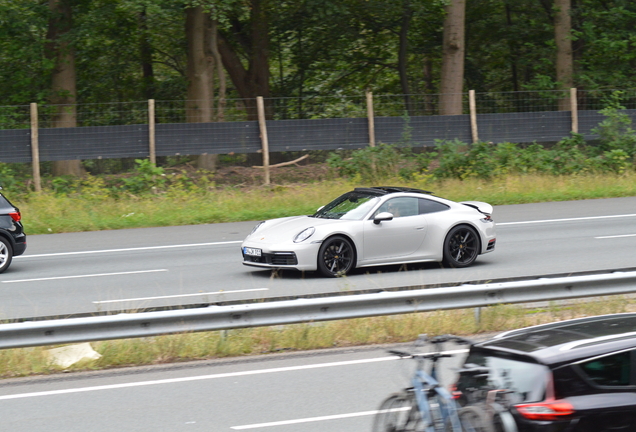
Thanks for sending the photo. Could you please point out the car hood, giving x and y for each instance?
(284, 230)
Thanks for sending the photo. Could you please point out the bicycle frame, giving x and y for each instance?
(423, 384)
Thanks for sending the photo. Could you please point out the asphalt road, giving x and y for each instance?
(129, 269)
(330, 390)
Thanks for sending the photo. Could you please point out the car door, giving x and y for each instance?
(394, 239)
(609, 403)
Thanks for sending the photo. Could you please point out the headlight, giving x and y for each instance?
(304, 235)
(258, 225)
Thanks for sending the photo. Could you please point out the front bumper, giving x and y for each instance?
(303, 257)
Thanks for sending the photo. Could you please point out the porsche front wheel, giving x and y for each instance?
(336, 257)
(461, 246)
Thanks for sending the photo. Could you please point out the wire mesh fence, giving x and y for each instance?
(117, 130)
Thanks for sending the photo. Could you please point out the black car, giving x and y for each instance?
(12, 237)
(576, 375)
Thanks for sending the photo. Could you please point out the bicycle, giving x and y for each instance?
(426, 406)
(485, 407)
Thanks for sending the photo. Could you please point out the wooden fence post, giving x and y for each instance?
(575, 111)
(263, 128)
(473, 115)
(371, 117)
(35, 148)
(151, 132)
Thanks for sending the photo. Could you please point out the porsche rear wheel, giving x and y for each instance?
(336, 257)
(461, 246)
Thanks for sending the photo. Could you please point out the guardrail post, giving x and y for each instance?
(35, 148)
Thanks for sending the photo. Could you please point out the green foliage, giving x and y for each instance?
(146, 178)
(384, 161)
(616, 132)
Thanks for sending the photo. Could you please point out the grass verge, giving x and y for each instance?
(343, 333)
(50, 213)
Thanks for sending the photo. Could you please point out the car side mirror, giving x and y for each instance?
(384, 216)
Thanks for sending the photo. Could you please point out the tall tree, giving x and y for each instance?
(63, 85)
(249, 38)
(200, 73)
(564, 59)
(452, 78)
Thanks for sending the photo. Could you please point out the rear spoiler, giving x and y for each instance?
(481, 207)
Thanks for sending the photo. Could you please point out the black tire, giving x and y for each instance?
(461, 246)
(394, 413)
(474, 419)
(6, 254)
(336, 257)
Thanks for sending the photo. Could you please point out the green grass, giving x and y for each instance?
(50, 213)
(343, 333)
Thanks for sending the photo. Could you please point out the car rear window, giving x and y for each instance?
(527, 380)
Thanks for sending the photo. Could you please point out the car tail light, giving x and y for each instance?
(15, 216)
(547, 410)
(456, 394)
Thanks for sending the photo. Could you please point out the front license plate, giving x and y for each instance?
(251, 251)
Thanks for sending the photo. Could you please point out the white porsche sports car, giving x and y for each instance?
(374, 226)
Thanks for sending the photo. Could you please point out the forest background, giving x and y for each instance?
(75, 53)
(70, 52)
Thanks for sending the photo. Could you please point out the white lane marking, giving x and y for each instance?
(85, 276)
(566, 219)
(314, 419)
(130, 249)
(180, 295)
(615, 236)
(206, 377)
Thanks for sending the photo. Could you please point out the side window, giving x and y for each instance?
(612, 370)
(430, 206)
(400, 207)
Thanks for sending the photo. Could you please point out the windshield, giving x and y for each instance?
(350, 206)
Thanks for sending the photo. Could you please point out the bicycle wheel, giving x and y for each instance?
(474, 419)
(394, 413)
(504, 422)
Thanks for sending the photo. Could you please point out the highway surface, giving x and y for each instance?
(334, 391)
(89, 272)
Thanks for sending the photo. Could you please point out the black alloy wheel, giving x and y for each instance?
(461, 246)
(336, 257)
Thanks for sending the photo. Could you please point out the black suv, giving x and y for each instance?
(576, 375)
(12, 237)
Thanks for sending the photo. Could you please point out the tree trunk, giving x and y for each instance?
(564, 60)
(407, 14)
(452, 78)
(253, 81)
(145, 54)
(63, 86)
(200, 93)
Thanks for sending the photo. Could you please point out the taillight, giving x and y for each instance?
(548, 410)
(15, 216)
(456, 394)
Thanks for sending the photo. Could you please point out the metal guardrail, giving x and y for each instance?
(53, 332)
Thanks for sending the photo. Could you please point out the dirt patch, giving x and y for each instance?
(249, 176)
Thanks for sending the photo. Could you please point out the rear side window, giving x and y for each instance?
(611, 370)
(429, 206)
